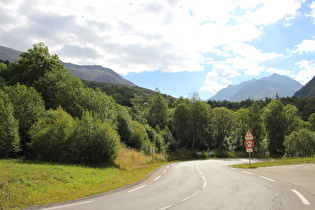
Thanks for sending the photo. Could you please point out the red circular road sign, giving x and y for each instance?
(249, 144)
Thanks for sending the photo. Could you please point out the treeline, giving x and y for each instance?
(48, 114)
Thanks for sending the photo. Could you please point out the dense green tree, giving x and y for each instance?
(50, 136)
(294, 122)
(311, 120)
(3, 68)
(182, 125)
(275, 123)
(241, 126)
(300, 143)
(125, 124)
(200, 121)
(221, 127)
(139, 139)
(28, 107)
(94, 141)
(31, 66)
(157, 114)
(9, 128)
(255, 125)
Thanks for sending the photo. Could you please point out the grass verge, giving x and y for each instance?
(278, 162)
(24, 184)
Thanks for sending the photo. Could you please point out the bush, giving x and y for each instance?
(58, 137)
(94, 141)
(300, 143)
(50, 136)
(9, 130)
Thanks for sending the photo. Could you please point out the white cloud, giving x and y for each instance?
(279, 71)
(307, 71)
(312, 6)
(146, 35)
(218, 78)
(248, 58)
(305, 46)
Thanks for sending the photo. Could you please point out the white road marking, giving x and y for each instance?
(246, 172)
(74, 204)
(157, 178)
(168, 167)
(166, 207)
(137, 188)
(268, 179)
(164, 171)
(304, 200)
(204, 184)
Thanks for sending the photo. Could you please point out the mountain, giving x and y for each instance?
(259, 89)
(96, 73)
(307, 90)
(85, 72)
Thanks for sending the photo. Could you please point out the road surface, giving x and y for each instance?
(212, 184)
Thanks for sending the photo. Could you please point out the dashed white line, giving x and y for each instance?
(267, 179)
(137, 188)
(303, 199)
(157, 178)
(164, 171)
(246, 172)
(74, 204)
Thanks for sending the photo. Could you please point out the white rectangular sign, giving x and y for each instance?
(249, 150)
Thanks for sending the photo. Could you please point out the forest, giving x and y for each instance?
(48, 114)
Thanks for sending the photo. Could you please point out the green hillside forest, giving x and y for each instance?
(47, 114)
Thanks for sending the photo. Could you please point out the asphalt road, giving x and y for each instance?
(212, 184)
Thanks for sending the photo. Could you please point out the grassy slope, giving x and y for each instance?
(278, 162)
(24, 184)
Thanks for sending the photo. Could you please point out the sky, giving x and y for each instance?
(177, 46)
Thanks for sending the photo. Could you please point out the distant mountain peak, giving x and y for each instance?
(259, 89)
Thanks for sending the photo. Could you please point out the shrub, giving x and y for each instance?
(300, 143)
(9, 130)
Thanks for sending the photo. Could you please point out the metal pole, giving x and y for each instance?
(249, 161)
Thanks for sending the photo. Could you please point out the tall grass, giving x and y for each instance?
(24, 183)
(130, 159)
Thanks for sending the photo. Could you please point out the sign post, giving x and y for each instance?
(249, 143)
(152, 151)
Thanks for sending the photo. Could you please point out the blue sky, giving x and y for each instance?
(179, 46)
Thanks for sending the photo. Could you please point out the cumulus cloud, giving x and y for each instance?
(218, 77)
(305, 46)
(307, 71)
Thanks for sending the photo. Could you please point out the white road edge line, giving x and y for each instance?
(267, 179)
(246, 172)
(157, 178)
(304, 200)
(137, 188)
(74, 204)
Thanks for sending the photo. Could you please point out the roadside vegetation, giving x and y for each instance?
(28, 183)
(278, 162)
(50, 117)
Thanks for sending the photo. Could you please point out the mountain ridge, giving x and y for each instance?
(256, 89)
(85, 72)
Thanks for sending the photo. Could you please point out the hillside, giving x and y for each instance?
(307, 90)
(85, 72)
(266, 87)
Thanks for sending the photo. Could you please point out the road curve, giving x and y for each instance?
(211, 184)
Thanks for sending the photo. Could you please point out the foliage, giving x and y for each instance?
(255, 125)
(312, 122)
(300, 143)
(58, 137)
(157, 110)
(94, 141)
(51, 136)
(28, 107)
(222, 125)
(9, 128)
(33, 64)
(139, 139)
(275, 124)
